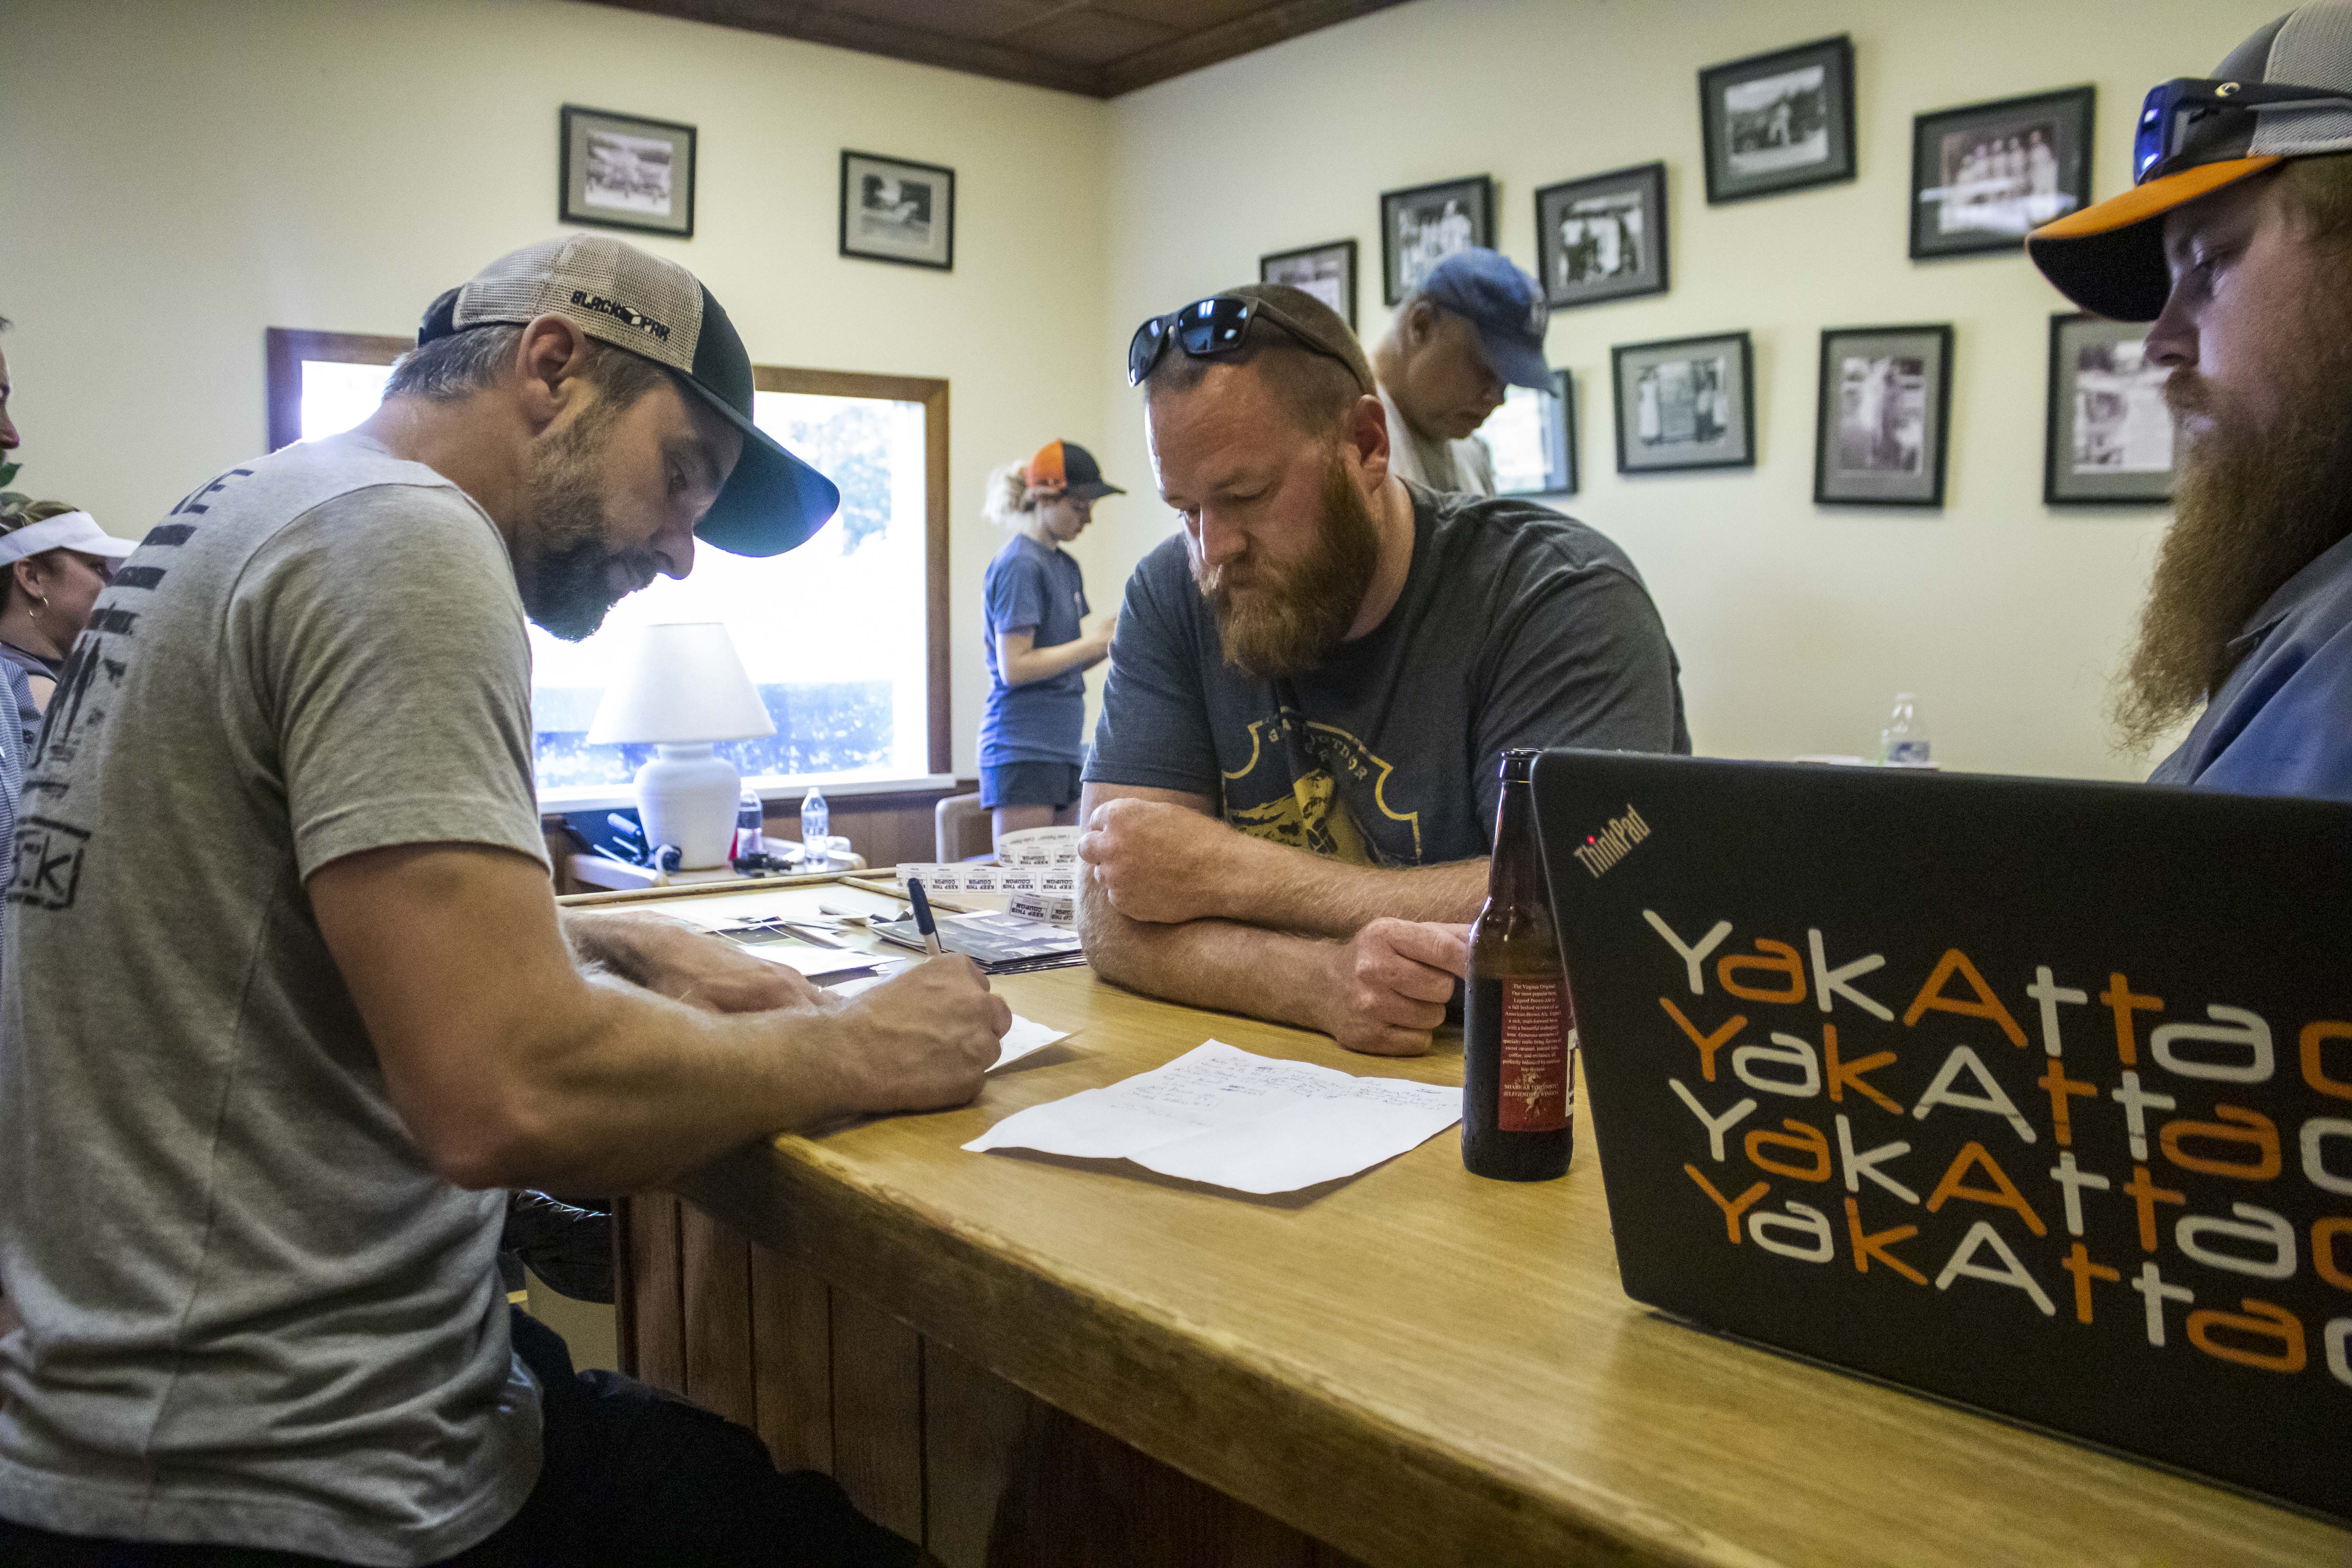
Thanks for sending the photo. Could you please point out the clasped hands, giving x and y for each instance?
(1381, 990)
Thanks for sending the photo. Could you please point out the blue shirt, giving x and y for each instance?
(2282, 722)
(1032, 588)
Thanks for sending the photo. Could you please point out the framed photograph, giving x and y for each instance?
(1778, 122)
(1886, 409)
(2110, 439)
(1533, 439)
(1326, 271)
(1604, 236)
(1984, 174)
(894, 210)
(1688, 402)
(620, 171)
(1424, 225)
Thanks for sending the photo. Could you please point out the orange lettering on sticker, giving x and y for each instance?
(1707, 1044)
(2324, 1233)
(2146, 1194)
(2263, 1321)
(2315, 1036)
(1778, 958)
(1800, 1137)
(2238, 1126)
(2118, 996)
(2060, 1087)
(2001, 1194)
(1874, 1244)
(1732, 1207)
(2078, 1263)
(1986, 1005)
(1844, 1076)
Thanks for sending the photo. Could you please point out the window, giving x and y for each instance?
(846, 637)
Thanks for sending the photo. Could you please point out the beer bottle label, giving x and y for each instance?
(1534, 1090)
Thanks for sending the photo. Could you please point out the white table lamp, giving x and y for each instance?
(684, 689)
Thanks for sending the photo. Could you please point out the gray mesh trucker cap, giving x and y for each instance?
(620, 295)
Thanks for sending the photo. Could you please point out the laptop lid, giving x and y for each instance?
(2034, 1096)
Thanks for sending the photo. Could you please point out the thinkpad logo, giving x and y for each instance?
(620, 312)
(1603, 850)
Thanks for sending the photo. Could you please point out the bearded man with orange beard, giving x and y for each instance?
(2236, 243)
(1291, 795)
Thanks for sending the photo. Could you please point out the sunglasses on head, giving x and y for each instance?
(2175, 109)
(1219, 324)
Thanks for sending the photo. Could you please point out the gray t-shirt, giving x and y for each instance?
(253, 1314)
(1516, 627)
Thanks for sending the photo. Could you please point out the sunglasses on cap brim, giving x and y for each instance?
(1219, 324)
(2176, 111)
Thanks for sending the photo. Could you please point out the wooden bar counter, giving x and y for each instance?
(1410, 1369)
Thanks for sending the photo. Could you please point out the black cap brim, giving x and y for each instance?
(1094, 489)
(773, 501)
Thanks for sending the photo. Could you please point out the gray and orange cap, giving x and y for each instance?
(1067, 466)
(620, 295)
(2109, 258)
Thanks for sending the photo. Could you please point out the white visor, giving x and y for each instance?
(73, 530)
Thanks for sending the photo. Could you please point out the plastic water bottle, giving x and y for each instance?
(750, 818)
(1903, 743)
(817, 824)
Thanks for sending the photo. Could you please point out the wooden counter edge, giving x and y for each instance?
(1275, 1441)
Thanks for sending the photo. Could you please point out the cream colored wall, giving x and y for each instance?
(178, 176)
(1795, 623)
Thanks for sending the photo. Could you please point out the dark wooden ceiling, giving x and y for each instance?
(1099, 47)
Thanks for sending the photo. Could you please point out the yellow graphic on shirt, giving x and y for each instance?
(1324, 790)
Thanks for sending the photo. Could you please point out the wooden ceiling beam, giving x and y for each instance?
(814, 22)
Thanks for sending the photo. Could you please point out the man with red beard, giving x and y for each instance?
(2237, 244)
(1292, 789)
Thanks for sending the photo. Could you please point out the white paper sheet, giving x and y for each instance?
(816, 962)
(1025, 1035)
(1233, 1119)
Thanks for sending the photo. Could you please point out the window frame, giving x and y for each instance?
(289, 347)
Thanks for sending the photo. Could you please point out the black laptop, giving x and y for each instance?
(2034, 1096)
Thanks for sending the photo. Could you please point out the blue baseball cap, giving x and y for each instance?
(1504, 303)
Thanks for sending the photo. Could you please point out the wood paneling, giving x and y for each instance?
(878, 1414)
(972, 1427)
(1097, 47)
(653, 1321)
(792, 1360)
(715, 1276)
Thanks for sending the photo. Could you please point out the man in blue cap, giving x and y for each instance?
(1474, 326)
(2235, 243)
(259, 1096)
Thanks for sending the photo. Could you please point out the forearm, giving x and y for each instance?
(621, 1088)
(1043, 663)
(1206, 963)
(1290, 889)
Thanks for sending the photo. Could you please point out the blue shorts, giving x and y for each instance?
(1029, 783)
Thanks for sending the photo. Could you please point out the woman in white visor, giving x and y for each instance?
(56, 561)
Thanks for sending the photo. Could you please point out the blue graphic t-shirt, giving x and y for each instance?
(1516, 627)
(1031, 588)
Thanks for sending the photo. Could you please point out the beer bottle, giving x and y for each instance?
(1518, 1067)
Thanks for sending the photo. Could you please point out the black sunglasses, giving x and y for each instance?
(2174, 110)
(1219, 324)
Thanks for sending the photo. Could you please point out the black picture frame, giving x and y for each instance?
(1860, 455)
(2098, 441)
(1594, 269)
(1403, 267)
(1793, 105)
(1671, 436)
(1958, 210)
(1534, 433)
(617, 191)
(1311, 268)
(925, 215)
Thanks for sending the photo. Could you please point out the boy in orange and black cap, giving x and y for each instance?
(2236, 243)
(1032, 731)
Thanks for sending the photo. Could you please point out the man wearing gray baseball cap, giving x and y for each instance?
(2236, 243)
(291, 1002)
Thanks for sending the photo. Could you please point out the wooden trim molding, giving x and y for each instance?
(287, 347)
(932, 392)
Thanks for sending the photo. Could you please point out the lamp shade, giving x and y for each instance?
(683, 684)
